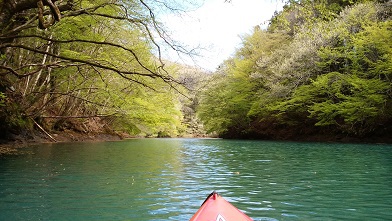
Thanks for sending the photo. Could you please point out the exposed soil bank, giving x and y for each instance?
(15, 142)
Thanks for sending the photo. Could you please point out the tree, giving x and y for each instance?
(328, 72)
(351, 90)
(19, 17)
(355, 105)
(69, 66)
(226, 105)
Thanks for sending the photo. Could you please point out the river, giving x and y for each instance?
(168, 179)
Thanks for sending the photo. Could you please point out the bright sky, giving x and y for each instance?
(216, 27)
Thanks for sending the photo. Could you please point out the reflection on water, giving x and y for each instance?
(168, 179)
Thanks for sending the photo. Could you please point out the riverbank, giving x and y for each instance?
(15, 142)
(12, 145)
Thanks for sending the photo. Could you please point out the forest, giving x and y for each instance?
(321, 69)
(89, 67)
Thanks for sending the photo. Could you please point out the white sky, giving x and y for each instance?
(216, 27)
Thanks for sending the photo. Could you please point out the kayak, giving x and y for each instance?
(216, 208)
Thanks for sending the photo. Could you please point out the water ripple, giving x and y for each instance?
(168, 179)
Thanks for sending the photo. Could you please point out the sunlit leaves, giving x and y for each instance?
(341, 100)
(225, 104)
(372, 54)
(97, 62)
(149, 112)
(334, 72)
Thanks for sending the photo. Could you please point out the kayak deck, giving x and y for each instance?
(216, 208)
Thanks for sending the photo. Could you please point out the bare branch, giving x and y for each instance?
(166, 78)
(14, 72)
(70, 94)
(42, 23)
(92, 63)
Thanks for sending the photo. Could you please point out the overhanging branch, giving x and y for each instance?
(91, 63)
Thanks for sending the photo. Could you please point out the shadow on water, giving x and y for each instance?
(168, 179)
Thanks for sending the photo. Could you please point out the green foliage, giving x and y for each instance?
(213, 109)
(346, 101)
(306, 13)
(332, 72)
(12, 118)
(103, 68)
(224, 106)
(153, 112)
(372, 51)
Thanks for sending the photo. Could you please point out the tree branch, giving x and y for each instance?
(90, 42)
(166, 77)
(92, 63)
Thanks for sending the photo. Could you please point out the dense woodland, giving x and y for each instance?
(88, 66)
(321, 69)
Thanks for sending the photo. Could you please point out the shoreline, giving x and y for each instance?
(16, 143)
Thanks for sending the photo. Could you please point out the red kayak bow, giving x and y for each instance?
(215, 208)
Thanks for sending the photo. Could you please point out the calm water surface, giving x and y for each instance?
(168, 179)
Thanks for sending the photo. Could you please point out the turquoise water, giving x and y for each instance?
(168, 179)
